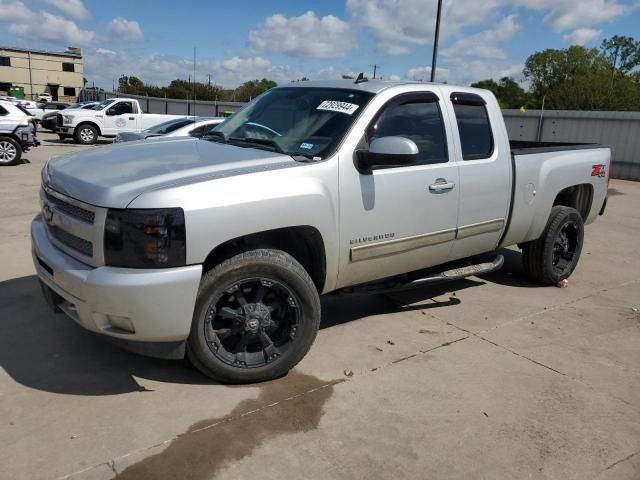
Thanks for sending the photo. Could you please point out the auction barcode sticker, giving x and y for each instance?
(336, 106)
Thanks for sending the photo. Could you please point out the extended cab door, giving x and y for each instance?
(400, 219)
(120, 117)
(484, 158)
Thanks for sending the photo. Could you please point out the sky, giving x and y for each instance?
(289, 39)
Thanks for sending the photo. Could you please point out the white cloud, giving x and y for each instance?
(423, 74)
(14, 11)
(245, 64)
(582, 36)
(105, 51)
(394, 78)
(485, 44)
(398, 25)
(122, 29)
(71, 8)
(52, 28)
(306, 35)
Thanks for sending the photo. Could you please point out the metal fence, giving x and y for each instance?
(172, 106)
(618, 130)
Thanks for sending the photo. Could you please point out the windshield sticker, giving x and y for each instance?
(336, 106)
(306, 146)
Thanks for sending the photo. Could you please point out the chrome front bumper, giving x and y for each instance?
(154, 305)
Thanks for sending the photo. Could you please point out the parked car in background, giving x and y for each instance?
(17, 133)
(107, 119)
(179, 127)
(27, 104)
(223, 244)
(8, 98)
(45, 97)
(43, 108)
(49, 120)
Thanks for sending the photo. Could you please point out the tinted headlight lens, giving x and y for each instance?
(153, 238)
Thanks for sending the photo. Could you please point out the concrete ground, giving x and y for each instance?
(487, 378)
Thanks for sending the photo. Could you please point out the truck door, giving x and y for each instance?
(484, 158)
(399, 219)
(120, 117)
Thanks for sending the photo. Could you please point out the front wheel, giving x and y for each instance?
(10, 151)
(86, 134)
(553, 257)
(256, 317)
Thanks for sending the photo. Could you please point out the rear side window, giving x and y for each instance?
(420, 121)
(474, 126)
(3, 111)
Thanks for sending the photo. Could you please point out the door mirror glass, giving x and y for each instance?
(387, 152)
(112, 111)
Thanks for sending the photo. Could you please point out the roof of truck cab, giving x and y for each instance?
(373, 86)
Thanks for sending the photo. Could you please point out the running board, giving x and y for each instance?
(389, 286)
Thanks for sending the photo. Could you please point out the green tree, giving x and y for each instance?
(252, 89)
(622, 52)
(508, 92)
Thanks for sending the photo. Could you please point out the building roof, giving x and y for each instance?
(41, 52)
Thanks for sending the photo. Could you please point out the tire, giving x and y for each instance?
(10, 151)
(234, 341)
(554, 256)
(86, 134)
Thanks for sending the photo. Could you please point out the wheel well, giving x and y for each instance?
(87, 123)
(578, 197)
(304, 243)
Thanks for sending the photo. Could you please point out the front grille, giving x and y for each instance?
(78, 244)
(72, 210)
(59, 119)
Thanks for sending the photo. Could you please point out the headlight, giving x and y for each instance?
(153, 238)
(67, 119)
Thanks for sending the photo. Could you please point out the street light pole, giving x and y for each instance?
(435, 42)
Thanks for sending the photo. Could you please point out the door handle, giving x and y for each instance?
(441, 186)
(131, 118)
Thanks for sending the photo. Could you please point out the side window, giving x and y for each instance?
(419, 120)
(123, 108)
(474, 126)
(200, 131)
(3, 111)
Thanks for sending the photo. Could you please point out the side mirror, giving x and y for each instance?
(387, 152)
(111, 111)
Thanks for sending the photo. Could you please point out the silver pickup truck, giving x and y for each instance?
(218, 248)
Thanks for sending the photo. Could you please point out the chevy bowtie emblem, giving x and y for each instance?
(48, 214)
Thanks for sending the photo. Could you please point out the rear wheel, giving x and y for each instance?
(86, 134)
(10, 151)
(256, 316)
(553, 257)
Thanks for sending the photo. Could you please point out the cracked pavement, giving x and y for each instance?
(490, 377)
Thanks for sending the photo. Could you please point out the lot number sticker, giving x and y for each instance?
(336, 106)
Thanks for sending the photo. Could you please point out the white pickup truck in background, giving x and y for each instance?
(107, 119)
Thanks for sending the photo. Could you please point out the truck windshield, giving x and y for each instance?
(102, 105)
(297, 121)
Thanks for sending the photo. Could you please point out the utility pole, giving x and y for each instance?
(30, 79)
(435, 42)
(375, 69)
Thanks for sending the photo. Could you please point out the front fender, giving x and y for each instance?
(224, 209)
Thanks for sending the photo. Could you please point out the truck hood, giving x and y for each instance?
(114, 175)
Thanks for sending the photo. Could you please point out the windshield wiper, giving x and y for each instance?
(263, 142)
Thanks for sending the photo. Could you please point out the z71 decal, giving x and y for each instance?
(599, 170)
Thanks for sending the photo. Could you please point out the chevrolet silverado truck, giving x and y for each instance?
(17, 133)
(106, 119)
(218, 248)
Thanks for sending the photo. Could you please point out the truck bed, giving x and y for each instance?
(523, 147)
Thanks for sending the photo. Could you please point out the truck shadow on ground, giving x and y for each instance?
(67, 142)
(49, 352)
